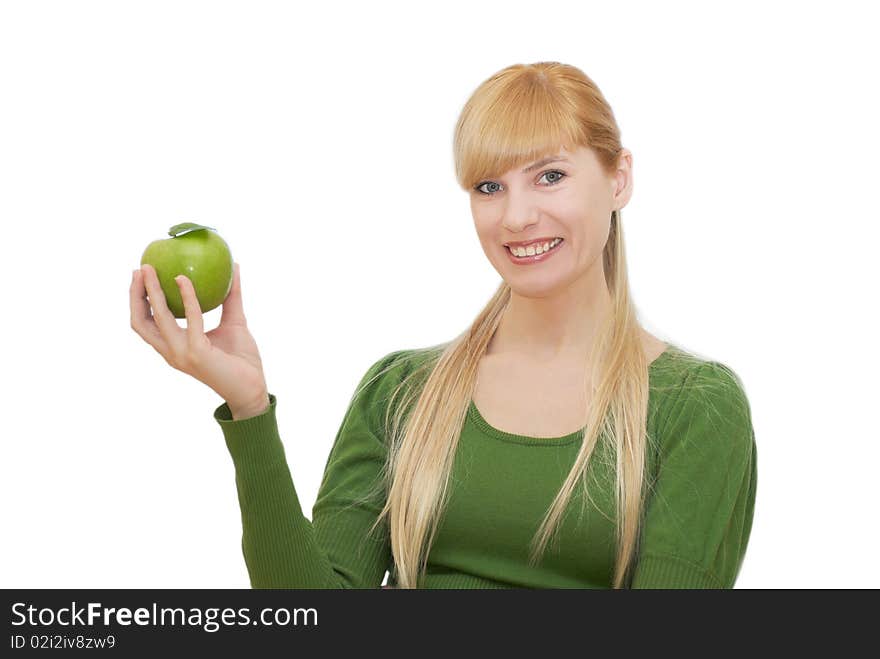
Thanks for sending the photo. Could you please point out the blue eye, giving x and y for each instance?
(556, 180)
(480, 185)
(554, 171)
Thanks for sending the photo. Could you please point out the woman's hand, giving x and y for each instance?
(226, 358)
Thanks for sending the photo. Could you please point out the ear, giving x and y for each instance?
(623, 180)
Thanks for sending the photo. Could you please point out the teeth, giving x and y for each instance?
(533, 250)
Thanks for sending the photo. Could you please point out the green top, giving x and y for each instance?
(701, 467)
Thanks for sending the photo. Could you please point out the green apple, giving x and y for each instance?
(197, 252)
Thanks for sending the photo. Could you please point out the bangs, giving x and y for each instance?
(512, 128)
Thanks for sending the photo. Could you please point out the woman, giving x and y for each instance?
(552, 444)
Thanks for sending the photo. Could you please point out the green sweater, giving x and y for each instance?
(702, 468)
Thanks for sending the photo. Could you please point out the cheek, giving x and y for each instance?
(594, 239)
(492, 248)
(583, 220)
(596, 230)
(486, 232)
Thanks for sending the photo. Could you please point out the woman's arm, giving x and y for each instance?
(282, 548)
(699, 513)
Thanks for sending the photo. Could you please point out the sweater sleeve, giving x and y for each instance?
(699, 512)
(281, 547)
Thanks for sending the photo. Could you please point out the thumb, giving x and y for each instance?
(233, 310)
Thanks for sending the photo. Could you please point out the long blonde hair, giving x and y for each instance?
(518, 115)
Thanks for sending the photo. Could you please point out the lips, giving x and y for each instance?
(536, 258)
(533, 241)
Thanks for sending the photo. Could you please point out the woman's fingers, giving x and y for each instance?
(141, 317)
(233, 311)
(195, 328)
(170, 331)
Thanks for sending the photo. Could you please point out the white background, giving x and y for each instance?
(317, 139)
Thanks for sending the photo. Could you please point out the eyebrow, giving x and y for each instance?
(543, 162)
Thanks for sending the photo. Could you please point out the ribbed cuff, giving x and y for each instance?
(667, 572)
(254, 440)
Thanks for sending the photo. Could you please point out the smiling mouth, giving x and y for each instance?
(526, 256)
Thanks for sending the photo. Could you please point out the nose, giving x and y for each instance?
(519, 213)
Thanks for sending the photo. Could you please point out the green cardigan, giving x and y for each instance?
(700, 496)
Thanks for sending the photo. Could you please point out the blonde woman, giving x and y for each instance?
(554, 443)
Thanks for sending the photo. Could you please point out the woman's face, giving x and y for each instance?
(570, 198)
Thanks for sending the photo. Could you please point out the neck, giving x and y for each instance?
(560, 324)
